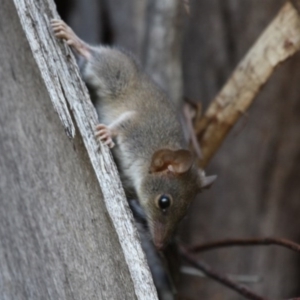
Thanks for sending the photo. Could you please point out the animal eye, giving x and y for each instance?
(164, 202)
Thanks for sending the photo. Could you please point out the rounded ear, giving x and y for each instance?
(177, 162)
(206, 181)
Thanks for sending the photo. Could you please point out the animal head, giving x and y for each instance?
(171, 184)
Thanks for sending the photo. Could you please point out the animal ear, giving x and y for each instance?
(206, 181)
(177, 162)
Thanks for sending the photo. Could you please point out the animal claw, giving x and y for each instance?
(104, 134)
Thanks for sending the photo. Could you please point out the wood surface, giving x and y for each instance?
(62, 237)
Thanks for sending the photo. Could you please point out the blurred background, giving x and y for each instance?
(257, 193)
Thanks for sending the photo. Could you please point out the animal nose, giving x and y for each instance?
(159, 245)
(159, 235)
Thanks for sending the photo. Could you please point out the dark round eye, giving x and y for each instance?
(164, 202)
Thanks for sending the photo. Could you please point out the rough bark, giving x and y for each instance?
(61, 236)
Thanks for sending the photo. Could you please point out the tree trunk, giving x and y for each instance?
(61, 236)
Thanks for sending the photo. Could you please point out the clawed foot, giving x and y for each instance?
(105, 134)
(63, 31)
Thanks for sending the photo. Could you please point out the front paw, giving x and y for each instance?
(104, 133)
(63, 31)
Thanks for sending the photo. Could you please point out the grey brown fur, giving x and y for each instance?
(137, 116)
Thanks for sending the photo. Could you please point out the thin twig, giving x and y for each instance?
(246, 242)
(240, 278)
(218, 277)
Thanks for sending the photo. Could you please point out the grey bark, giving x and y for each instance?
(61, 236)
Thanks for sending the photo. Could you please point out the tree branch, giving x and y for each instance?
(246, 242)
(225, 280)
(277, 43)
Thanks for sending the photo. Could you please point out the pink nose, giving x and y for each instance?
(159, 235)
(159, 245)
